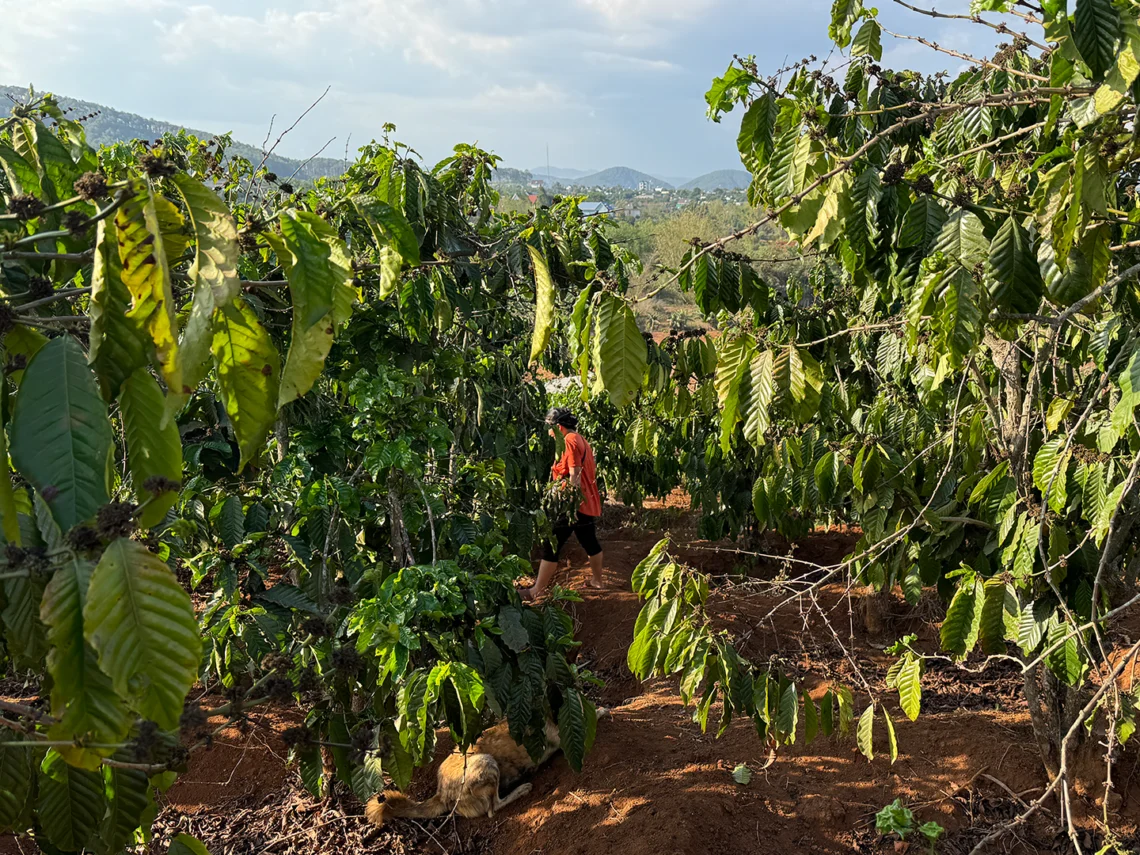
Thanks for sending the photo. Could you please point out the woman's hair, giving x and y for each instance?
(562, 416)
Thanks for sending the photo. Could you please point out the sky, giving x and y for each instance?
(601, 82)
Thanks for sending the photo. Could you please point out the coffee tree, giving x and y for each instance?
(308, 406)
(959, 373)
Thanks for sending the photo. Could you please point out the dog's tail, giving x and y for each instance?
(395, 804)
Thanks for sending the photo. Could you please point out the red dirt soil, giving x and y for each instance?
(654, 784)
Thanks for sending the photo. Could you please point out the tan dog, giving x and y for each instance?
(468, 784)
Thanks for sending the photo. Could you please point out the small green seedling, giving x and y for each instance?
(896, 818)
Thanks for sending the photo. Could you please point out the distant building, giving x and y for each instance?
(594, 209)
(537, 182)
(533, 199)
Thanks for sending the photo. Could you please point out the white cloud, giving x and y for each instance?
(633, 63)
(634, 12)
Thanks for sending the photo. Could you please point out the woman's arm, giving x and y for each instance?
(576, 476)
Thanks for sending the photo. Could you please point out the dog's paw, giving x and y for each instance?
(523, 789)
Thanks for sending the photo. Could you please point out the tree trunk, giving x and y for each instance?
(1053, 707)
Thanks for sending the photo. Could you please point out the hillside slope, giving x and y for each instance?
(620, 176)
(722, 179)
(110, 126)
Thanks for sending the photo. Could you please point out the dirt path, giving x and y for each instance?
(654, 784)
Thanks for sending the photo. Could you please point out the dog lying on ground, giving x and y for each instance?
(469, 784)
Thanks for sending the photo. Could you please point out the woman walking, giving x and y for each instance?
(576, 465)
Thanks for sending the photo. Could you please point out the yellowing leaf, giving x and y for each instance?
(147, 277)
(544, 305)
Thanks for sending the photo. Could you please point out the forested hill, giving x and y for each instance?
(110, 125)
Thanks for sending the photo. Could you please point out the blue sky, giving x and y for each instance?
(603, 82)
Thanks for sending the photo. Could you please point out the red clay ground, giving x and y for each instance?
(654, 784)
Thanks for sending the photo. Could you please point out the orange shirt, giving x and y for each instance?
(579, 455)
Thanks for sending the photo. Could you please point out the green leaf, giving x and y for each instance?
(963, 617)
(922, 224)
(231, 522)
(154, 449)
(249, 369)
(909, 683)
(789, 712)
(1065, 662)
(128, 795)
(962, 238)
(788, 170)
(71, 803)
(742, 774)
(811, 718)
(82, 697)
(1016, 283)
(16, 776)
(733, 383)
(574, 729)
(844, 14)
(1096, 29)
(319, 271)
(147, 276)
(185, 844)
(959, 314)
(60, 435)
(864, 734)
(142, 625)
(827, 470)
(544, 307)
(620, 353)
(1049, 471)
(214, 274)
(515, 636)
(395, 241)
(119, 343)
(859, 211)
(993, 624)
(868, 41)
(892, 742)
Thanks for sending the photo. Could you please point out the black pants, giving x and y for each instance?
(584, 529)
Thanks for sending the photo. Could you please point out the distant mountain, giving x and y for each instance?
(111, 126)
(620, 176)
(558, 172)
(723, 179)
(676, 180)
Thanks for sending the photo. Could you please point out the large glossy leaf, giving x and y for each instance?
(922, 223)
(962, 238)
(959, 314)
(140, 622)
(395, 241)
(544, 304)
(119, 343)
(909, 685)
(146, 274)
(858, 209)
(1015, 278)
(214, 274)
(868, 41)
(1096, 31)
(82, 697)
(755, 408)
(60, 435)
(577, 725)
(620, 353)
(154, 446)
(865, 732)
(249, 370)
(963, 618)
(320, 280)
(71, 803)
(790, 158)
(844, 14)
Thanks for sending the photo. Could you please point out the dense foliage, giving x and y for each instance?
(283, 441)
